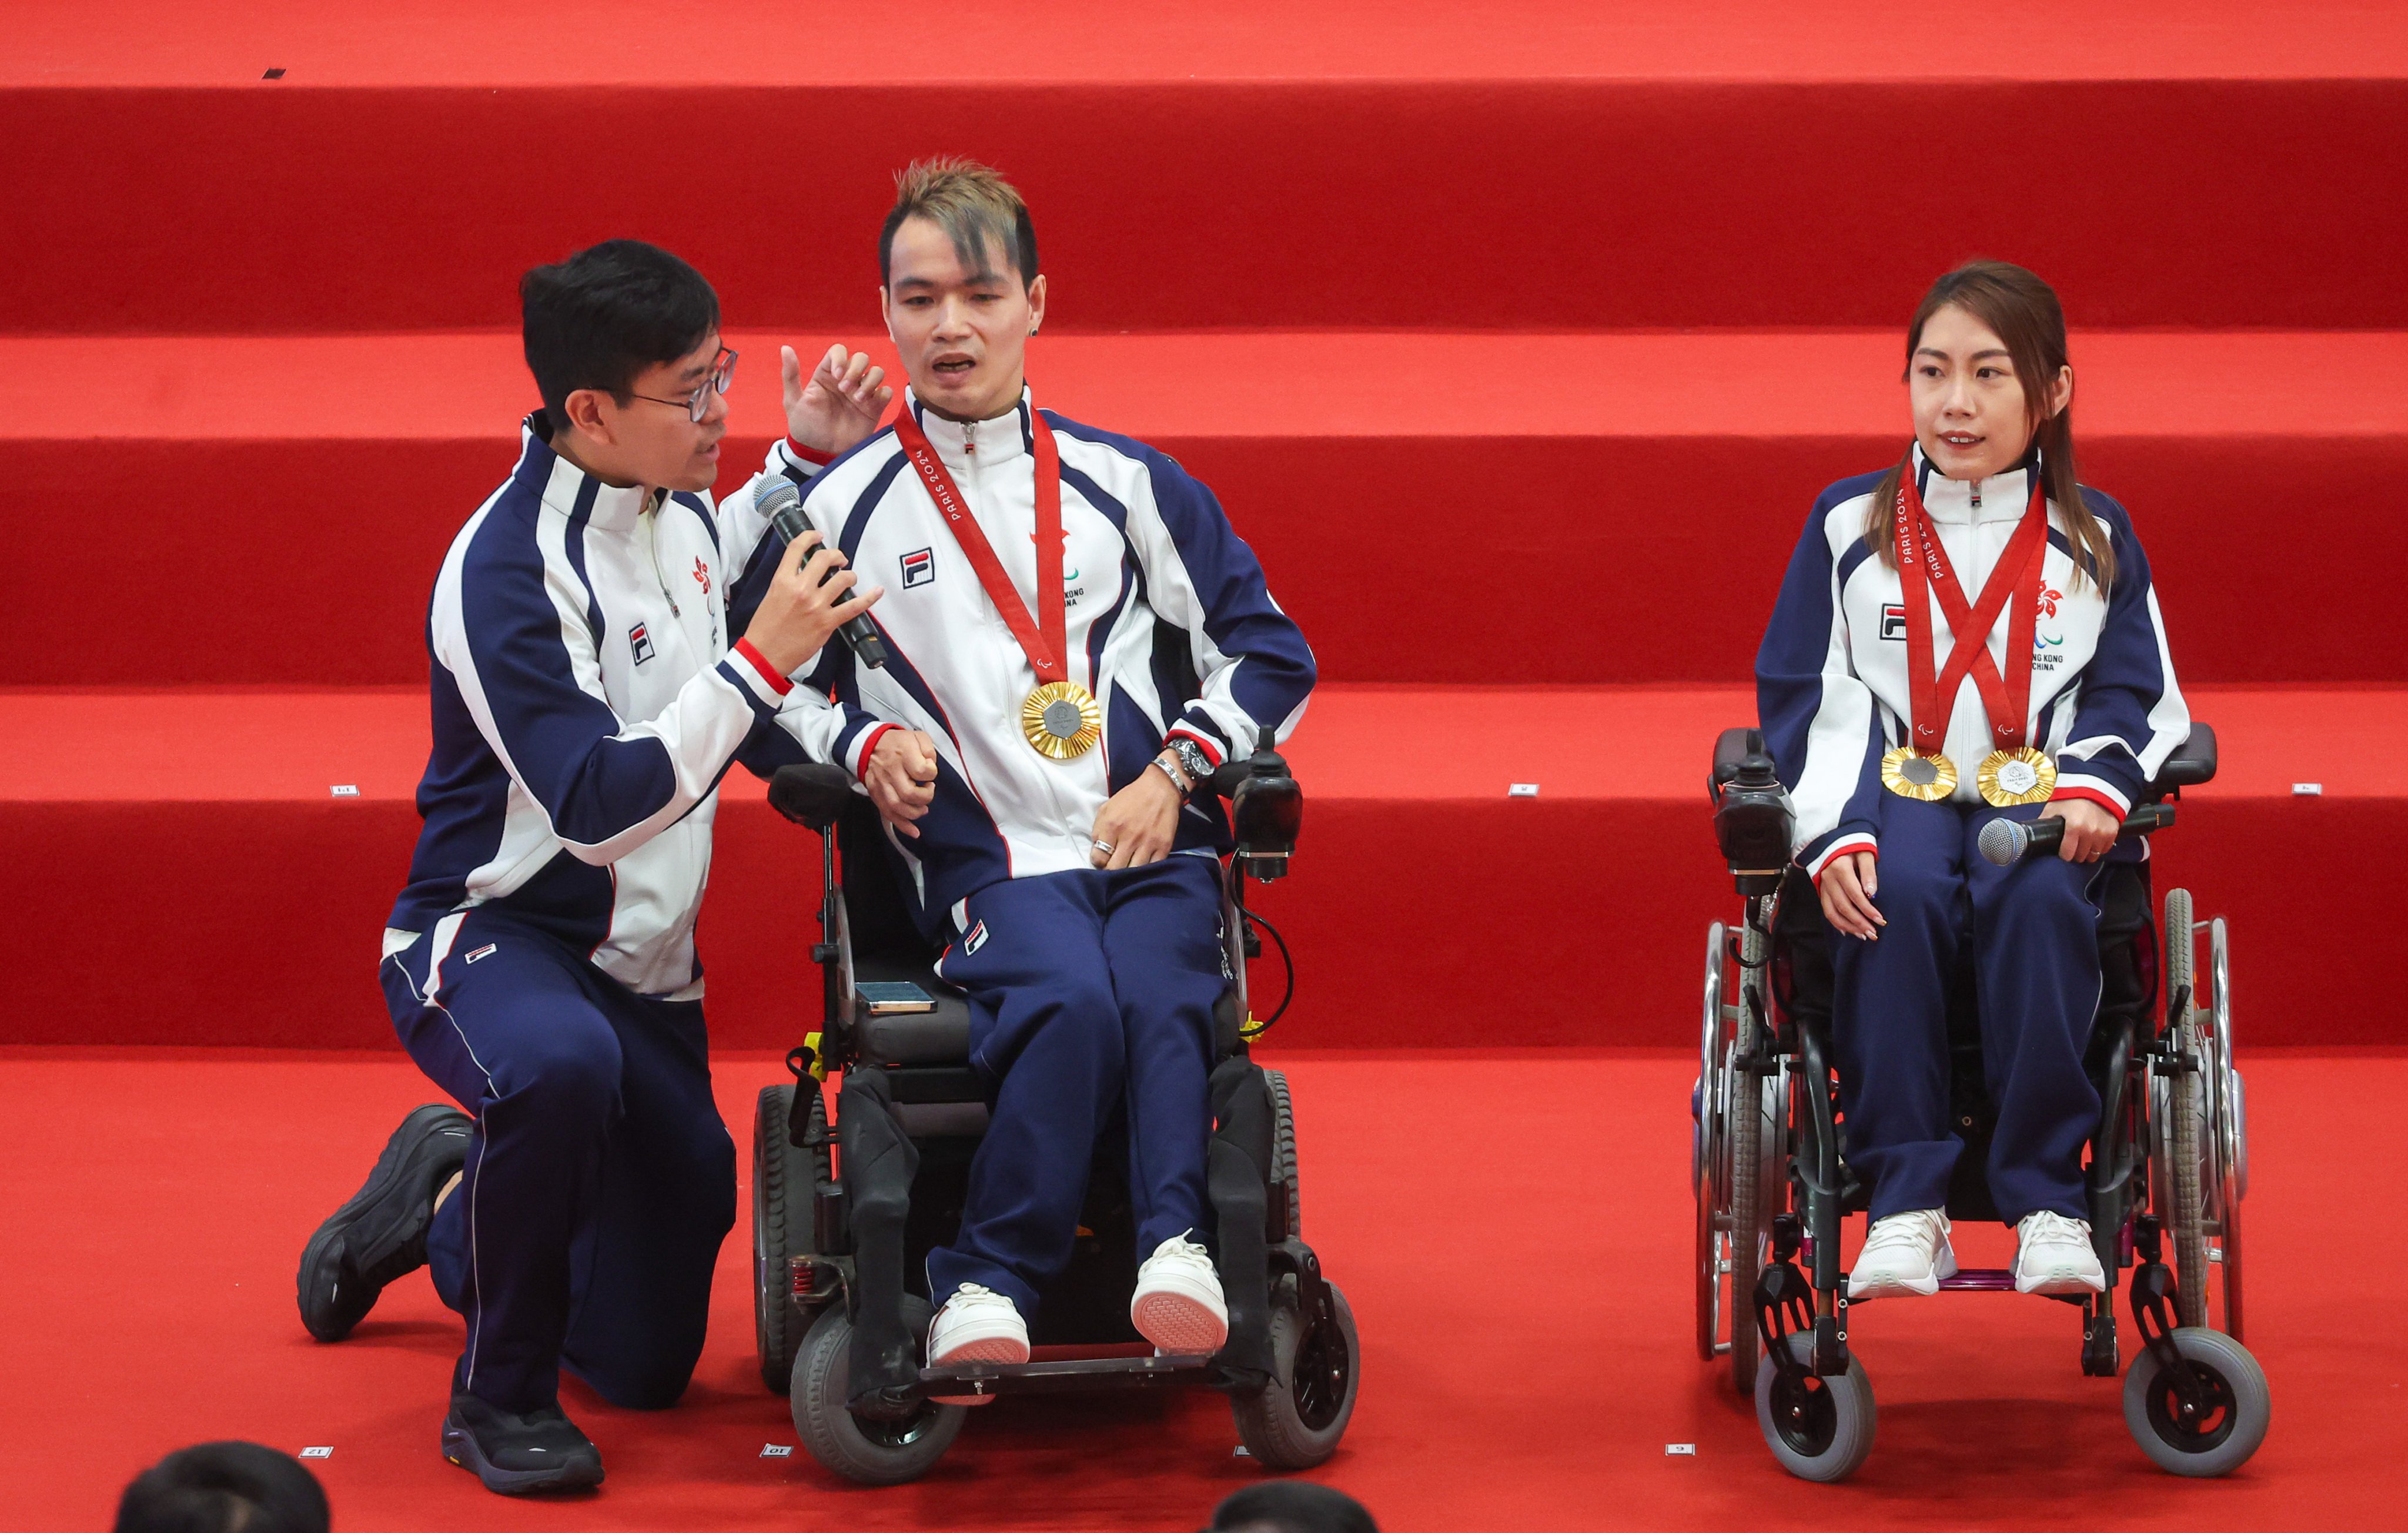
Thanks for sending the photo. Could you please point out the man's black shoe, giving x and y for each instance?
(542, 1449)
(381, 1232)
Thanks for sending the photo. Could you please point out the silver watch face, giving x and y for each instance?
(1192, 757)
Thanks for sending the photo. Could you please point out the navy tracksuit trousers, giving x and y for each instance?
(1086, 989)
(600, 1179)
(2034, 930)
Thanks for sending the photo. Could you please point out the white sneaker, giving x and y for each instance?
(976, 1325)
(2053, 1255)
(1178, 1304)
(1904, 1253)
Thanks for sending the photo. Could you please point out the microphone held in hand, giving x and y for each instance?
(2006, 842)
(782, 504)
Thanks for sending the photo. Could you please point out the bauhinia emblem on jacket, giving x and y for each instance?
(702, 575)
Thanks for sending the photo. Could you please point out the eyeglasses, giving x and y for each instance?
(722, 371)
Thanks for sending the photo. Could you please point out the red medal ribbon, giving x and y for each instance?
(1042, 639)
(1924, 569)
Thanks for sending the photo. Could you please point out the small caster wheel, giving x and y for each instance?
(1820, 1429)
(2214, 1440)
(874, 1451)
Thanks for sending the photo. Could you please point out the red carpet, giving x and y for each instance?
(202, 886)
(1512, 1231)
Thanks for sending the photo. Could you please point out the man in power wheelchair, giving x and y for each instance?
(2167, 1159)
(1048, 1133)
(844, 1218)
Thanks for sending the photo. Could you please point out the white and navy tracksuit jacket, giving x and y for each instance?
(1833, 698)
(1831, 676)
(587, 700)
(1169, 623)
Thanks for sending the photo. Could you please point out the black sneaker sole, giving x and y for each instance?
(326, 1311)
(581, 1471)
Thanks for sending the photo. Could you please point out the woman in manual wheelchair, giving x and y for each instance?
(1977, 1006)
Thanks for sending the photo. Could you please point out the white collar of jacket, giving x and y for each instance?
(998, 440)
(1950, 502)
(563, 483)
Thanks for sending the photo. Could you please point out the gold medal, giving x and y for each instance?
(1061, 719)
(2023, 776)
(1910, 774)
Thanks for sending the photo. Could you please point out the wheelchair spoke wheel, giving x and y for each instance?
(1706, 1152)
(2229, 1112)
(2184, 1135)
(1819, 1429)
(2217, 1430)
(1751, 1104)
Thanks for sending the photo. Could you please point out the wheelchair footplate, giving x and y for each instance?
(1050, 1369)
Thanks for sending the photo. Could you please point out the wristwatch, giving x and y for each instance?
(1192, 760)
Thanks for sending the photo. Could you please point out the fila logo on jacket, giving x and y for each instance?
(1169, 622)
(1832, 687)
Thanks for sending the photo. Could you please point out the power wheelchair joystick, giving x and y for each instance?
(1752, 818)
(1266, 810)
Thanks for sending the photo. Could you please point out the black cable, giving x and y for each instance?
(1285, 959)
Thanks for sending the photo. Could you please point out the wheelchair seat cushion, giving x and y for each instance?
(938, 1037)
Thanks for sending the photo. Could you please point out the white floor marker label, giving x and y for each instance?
(317, 1453)
(1521, 790)
(777, 1450)
(1680, 1450)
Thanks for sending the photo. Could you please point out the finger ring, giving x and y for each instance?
(1104, 847)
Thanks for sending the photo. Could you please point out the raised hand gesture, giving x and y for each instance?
(839, 405)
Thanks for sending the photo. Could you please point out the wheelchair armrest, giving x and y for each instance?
(811, 793)
(2193, 760)
(1731, 747)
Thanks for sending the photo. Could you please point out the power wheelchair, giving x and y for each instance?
(844, 1213)
(2169, 1163)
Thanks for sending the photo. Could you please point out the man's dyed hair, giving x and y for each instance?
(977, 210)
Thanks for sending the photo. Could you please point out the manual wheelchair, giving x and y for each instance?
(844, 1213)
(2169, 1163)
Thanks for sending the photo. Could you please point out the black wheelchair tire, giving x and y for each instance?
(784, 1188)
(2239, 1426)
(1283, 1163)
(2186, 1104)
(1751, 1230)
(1827, 1433)
(1293, 1423)
(870, 1452)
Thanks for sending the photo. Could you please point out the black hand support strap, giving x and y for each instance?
(1234, 1175)
(879, 1165)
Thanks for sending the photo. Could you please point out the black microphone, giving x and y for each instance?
(2006, 842)
(782, 504)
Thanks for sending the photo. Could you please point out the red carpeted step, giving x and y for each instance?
(190, 876)
(1346, 165)
(272, 510)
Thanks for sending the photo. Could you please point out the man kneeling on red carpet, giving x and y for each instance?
(588, 695)
(1077, 638)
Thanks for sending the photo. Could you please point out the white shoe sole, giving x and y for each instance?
(1179, 1322)
(992, 1347)
(1883, 1287)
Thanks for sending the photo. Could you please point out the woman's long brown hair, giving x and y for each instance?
(2022, 310)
